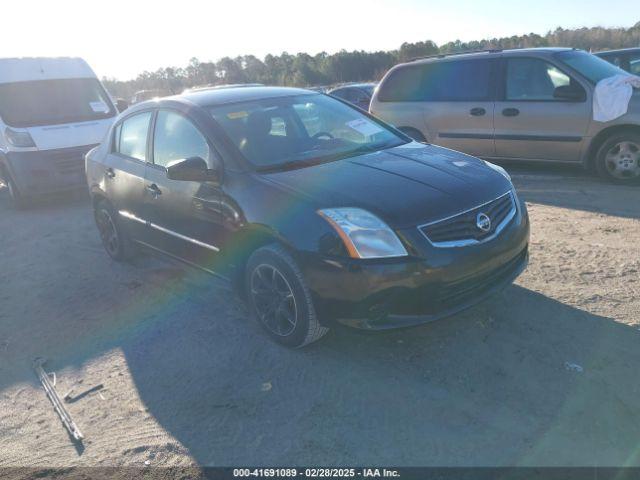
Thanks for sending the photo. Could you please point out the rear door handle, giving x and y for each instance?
(109, 173)
(477, 111)
(154, 190)
(510, 112)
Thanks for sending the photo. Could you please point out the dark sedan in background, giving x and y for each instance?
(314, 210)
(627, 59)
(358, 94)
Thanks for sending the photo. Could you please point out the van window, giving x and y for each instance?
(176, 138)
(403, 85)
(533, 79)
(132, 141)
(454, 81)
(53, 102)
(458, 81)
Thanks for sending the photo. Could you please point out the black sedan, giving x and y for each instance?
(314, 210)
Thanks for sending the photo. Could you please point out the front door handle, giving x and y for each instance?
(510, 112)
(109, 173)
(477, 111)
(154, 190)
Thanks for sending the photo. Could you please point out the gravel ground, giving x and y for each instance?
(546, 373)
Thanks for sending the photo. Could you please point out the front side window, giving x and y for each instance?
(131, 136)
(533, 79)
(176, 138)
(54, 102)
(301, 129)
(403, 85)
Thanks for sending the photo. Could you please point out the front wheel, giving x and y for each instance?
(279, 298)
(18, 201)
(618, 159)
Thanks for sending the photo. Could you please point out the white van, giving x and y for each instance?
(52, 112)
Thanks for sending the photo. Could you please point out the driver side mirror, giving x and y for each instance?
(569, 93)
(193, 169)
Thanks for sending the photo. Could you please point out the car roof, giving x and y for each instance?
(214, 97)
(619, 50)
(488, 53)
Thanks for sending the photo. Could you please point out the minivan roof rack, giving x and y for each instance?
(464, 52)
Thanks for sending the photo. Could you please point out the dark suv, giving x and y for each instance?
(314, 210)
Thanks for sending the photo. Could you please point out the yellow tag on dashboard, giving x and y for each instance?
(236, 115)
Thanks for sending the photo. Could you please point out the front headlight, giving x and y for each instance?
(18, 139)
(498, 169)
(364, 235)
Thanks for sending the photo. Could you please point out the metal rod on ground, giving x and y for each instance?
(67, 421)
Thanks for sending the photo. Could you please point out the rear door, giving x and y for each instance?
(184, 215)
(530, 123)
(459, 104)
(125, 170)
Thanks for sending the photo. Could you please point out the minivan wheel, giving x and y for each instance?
(618, 158)
(279, 298)
(114, 238)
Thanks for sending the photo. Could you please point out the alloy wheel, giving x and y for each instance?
(623, 160)
(274, 300)
(108, 232)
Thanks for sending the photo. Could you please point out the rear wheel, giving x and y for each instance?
(618, 158)
(115, 239)
(280, 299)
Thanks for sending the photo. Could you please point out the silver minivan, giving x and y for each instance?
(525, 104)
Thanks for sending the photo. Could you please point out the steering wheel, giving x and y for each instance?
(322, 134)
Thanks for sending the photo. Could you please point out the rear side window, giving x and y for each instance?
(176, 138)
(131, 136)
(403, 85)
(453, 81)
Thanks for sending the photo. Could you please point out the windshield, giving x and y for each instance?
(592, 67)
(297, 130)
(52, 102)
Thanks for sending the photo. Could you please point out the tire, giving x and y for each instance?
(115, 238)
(413, 133)
(618, 158)
(279, 298)
(18, 201)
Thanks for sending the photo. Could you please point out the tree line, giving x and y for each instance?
(306, 70)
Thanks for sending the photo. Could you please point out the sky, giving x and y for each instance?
(121, 39)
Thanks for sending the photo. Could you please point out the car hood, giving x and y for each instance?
(405, 186)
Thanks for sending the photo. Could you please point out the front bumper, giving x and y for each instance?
(48, 171)
(393, 293)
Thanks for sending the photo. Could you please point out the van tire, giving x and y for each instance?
(18, 201)
(610, 153)
(289, 284)
(413, 133)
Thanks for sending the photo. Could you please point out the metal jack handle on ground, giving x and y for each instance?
(58, 406)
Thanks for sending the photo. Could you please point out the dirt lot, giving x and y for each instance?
(190, 378)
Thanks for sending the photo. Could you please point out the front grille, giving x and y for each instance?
(69, 160)
(463, 229)
(460, 291)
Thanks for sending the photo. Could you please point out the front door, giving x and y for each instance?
(182, 215)
(531, 122)
(459, 106)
